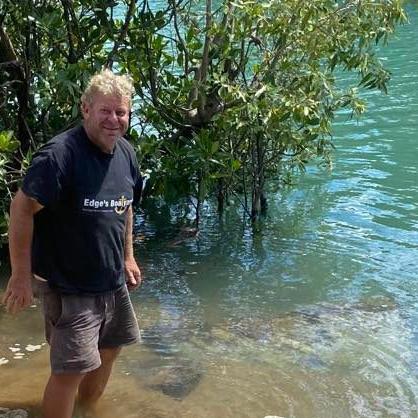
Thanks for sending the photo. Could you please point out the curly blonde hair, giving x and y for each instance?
(108, 83)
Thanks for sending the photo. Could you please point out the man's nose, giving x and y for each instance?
(113, 117)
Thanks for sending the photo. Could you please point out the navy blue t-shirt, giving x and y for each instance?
(79, 235)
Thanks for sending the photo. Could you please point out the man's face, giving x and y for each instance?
(106, 119)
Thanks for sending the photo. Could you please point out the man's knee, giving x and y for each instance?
(68, 381)
(94, 383)
(60, 394)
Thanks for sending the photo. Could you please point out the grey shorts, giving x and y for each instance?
(77, 327)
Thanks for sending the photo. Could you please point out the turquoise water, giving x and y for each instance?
(315, 316)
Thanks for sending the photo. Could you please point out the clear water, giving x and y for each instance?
(314, 317)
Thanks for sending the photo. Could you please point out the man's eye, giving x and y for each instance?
(121, 113)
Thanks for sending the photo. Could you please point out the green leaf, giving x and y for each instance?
(7, 143)
(215, 147)
(235, 165)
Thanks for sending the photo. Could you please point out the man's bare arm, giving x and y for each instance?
(18, 293)
(133, 273)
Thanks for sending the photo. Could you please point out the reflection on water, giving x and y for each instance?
(314, 317)
(322, 360)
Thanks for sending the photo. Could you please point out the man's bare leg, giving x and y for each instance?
(94, 383)
(59, 395)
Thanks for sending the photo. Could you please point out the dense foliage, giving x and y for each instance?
(231, 95)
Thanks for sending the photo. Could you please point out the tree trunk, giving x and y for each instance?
(20, 85)
(199, 201)
(221, 197)
(259, 203)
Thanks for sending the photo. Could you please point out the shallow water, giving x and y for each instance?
(314, 317)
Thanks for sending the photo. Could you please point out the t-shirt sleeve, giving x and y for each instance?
(136, 176)
(138, 184)
(43, 180)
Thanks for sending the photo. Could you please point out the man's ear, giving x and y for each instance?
(84, 110)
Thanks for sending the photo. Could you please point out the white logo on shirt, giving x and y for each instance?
(107, 205)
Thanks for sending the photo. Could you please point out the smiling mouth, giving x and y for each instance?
(111, 131)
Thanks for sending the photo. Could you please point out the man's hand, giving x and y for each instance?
(18, 295)
(133, 274)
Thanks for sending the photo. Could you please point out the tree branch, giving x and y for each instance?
(122, 35)
(181, 40)
(18, 77)
(72, 56)
(201, 73)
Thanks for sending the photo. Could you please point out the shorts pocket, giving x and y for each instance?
(52, 303)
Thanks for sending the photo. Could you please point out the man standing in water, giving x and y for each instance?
(71, 233)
